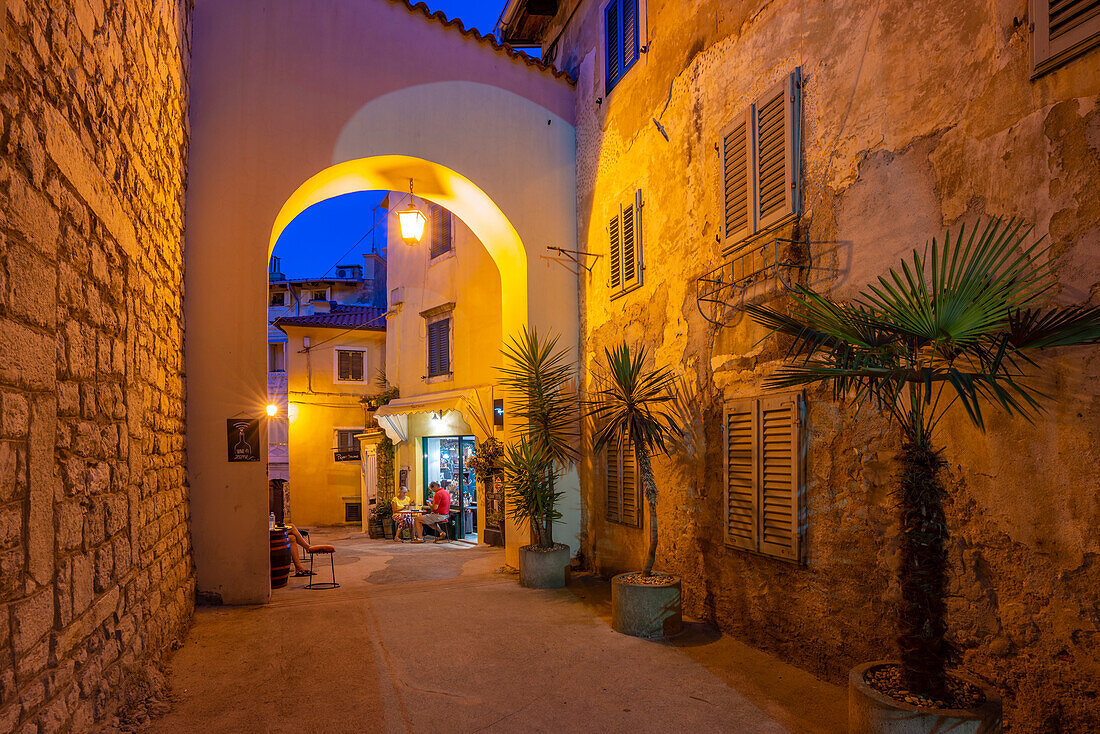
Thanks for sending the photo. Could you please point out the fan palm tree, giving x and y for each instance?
(630, 410)
(961, 324)
(540, 378)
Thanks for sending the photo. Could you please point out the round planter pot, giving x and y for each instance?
(871, 712)
(543, 569)
(646, 610)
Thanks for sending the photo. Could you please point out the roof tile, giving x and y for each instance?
(341, 316)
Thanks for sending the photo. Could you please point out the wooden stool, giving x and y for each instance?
(330, 551)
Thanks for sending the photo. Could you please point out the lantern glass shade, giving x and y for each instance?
(412, 225)
(272, 409)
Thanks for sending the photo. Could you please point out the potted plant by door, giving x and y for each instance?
(540, 379)
(630, 412)
(965, 322)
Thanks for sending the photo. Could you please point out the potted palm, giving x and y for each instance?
(540, 379)
(631, 410)
(961, 325)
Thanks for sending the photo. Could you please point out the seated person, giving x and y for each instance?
(296, 540)
(439, 511)
(401, 519)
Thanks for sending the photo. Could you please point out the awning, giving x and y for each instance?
(393, 417)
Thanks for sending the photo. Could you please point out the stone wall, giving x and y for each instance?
(96, 575)
(918, 116)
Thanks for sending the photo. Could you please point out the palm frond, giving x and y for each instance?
(631, 405)
(1058, 327)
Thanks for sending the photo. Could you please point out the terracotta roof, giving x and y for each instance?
(489, 40)
(341, 316)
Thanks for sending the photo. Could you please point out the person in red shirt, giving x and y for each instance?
(440, 511)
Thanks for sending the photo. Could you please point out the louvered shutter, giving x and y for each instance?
(629, 485)
(615, 254)
(629, 34)
(741, 472)
(775, 156)
(343, 361)
(614, 484)
(613, 44)
(441, 230)
(780, 476)
(1063, 29)
(439, 353)
(632, 243)
(356, 360)
(736, 164)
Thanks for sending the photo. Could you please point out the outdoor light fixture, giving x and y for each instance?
(412, 221)
(272, 409)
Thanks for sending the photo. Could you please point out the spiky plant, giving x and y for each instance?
(960, 324)
(530, 488)
(540, 379)
(629, 408)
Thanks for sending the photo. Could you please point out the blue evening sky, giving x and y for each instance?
(339, 230)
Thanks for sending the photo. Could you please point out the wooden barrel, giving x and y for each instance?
(280, 558)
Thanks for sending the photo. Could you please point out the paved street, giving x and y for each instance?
(432, 638)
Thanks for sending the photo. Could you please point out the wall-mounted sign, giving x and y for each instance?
(347, 454)
(242, 436)
(498, 413)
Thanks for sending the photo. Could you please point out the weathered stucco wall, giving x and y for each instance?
(95, 554)
(910, 127)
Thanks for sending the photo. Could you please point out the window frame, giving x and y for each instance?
(757, 544)
(282, 299)
(281, 350)
(625, 285)
(604, 51)
(1046, 56)
(314, 292)
(336, 379)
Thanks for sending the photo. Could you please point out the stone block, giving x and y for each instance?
(83, 569)
(15, 416)
(13, 478)
(31, 619)
(33, 215)
(28, 357)
(70, 526)
(42, 488)
(32, 296)
(11, 525)
(104, 567)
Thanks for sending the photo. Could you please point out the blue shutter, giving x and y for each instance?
(613, 43)
(439, 351)
(629, 34)
(621, 39)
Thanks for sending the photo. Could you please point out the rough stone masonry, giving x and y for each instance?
(96, 578)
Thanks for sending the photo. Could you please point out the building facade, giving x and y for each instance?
(720, 142)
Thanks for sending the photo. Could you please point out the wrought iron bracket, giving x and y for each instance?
(578, 257)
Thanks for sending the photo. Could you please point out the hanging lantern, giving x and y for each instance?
(412, 221)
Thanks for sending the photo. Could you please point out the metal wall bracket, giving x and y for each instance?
(578, 257)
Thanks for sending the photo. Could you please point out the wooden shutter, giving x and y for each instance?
(613, 44)
(736, 163)
(1062, 29)
(441, 230)
(623, 485)
(439, 353)
(613, 477)
(775, 153)
(629, 34)
(741, 471)
(356, 365)
(632, 242)
(615, 254)
(780, 476)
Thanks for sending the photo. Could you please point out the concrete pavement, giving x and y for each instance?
(431, 638)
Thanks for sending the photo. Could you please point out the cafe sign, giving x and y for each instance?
(346, 454)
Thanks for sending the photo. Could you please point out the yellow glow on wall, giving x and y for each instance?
(292, 412)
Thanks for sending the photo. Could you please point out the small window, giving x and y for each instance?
(320, 295)
(439, 347)
(760, 165)
(620, 40)
(345, 439)
(278, 299)
(276, 357)
(625, 247)
(442, 230)
(622, 485)
(1062, 30)
(353, 512)
(349, 365)
(764, 475)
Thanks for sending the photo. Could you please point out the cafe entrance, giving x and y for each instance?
(445, 461)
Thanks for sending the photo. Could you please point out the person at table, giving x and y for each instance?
(401, 519)
(438, 511)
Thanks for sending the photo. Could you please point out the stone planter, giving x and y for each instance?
(871, 712)
(543, 569)
(646, 610)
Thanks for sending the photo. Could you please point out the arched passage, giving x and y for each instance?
(437, 184)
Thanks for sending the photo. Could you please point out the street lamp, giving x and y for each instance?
(412, 221)
(272, 409)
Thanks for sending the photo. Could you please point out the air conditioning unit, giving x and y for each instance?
(397, 296)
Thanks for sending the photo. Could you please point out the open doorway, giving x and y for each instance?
(446, 462)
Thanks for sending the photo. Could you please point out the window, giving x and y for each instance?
(278, 298)
(761, 165)
(1062, 30)
(320, 295)
(623, 495)
(349, 365)
(439, 347)
(625, 247)
(441, 231)
(764, 460)
(620, 40)
(353, 512)
(276, 357)
(345, 439)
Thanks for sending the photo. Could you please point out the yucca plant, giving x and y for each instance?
(530, 486)
(630, 408)
(540, 379)
(961, 324)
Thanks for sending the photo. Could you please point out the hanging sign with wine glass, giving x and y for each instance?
(242, 436)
